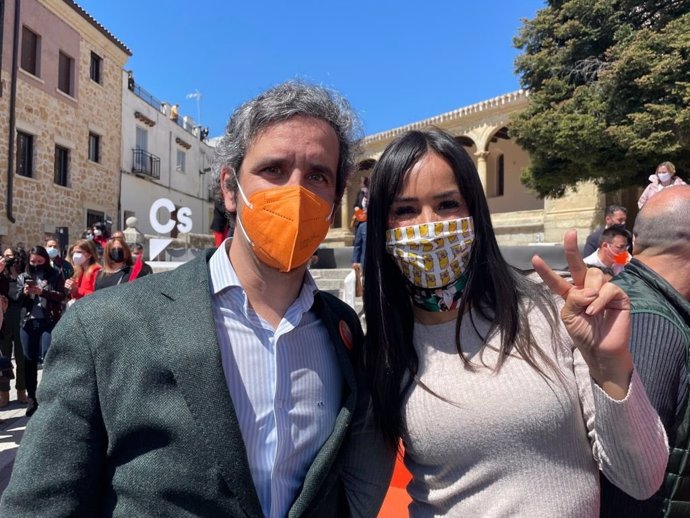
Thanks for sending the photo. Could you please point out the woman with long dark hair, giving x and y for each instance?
(502, 410)
(41, 291)
(118, 265)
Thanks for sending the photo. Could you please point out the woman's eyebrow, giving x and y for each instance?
(446, 194)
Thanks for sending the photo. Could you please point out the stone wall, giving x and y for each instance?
(52, 117)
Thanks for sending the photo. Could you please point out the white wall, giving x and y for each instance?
(185, 189)
(516, 196)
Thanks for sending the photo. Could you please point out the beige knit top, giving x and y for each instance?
(514, 444)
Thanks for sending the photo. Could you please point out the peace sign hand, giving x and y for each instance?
(596, 315)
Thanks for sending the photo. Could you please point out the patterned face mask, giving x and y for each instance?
(432, 255)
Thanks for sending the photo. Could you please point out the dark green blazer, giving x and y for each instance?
(135, 418)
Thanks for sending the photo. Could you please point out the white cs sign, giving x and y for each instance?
(184, 217)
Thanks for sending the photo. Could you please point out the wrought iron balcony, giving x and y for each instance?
(145, 163)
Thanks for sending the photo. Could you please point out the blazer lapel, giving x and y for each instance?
(323, 462)
(189, 340)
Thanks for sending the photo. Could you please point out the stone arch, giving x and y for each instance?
(366, 164)
(505, 160)
(495, 162)
(469, 145)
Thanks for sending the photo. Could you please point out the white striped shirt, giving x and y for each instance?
(285, 383)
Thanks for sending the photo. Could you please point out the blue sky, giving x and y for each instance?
(396, 61)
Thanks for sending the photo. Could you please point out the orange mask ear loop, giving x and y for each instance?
(246, 202)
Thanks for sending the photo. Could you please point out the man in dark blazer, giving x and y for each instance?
(154, 393)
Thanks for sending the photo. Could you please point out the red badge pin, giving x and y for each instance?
(345, 334)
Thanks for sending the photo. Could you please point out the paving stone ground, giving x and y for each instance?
(12, 426)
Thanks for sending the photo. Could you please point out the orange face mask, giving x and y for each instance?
(621, 258)
(284, 225)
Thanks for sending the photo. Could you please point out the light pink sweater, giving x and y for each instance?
(514, 444)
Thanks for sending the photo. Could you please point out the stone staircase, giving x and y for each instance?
(331, 280)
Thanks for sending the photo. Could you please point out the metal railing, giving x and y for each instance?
(146, 163)
(146, 97)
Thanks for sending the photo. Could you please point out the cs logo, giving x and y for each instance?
(183, 223)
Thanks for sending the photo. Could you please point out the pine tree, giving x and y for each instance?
(609, 86)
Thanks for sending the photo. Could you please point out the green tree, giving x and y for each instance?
(609, 86)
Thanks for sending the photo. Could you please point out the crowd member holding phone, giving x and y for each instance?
(41, 291)
(502, 409)
(10, 343)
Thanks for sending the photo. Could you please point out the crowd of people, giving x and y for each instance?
(248, 392)
(37, 286)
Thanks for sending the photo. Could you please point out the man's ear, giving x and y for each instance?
(228, 189)
(225, 179)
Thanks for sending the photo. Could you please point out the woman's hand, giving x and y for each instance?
(32, 290)
(70, 285)
(596, 314)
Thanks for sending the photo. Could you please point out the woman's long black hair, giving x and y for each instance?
(494, 290)
(41, 251)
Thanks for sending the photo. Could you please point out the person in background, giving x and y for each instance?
(223, 223)
(360, 246)
(665, 176)
(358, 256)
(56, 259)
(612, 254)
(10, 340)
(613, 215)
(503, 408)
(118, 266)
(86, 268)
(40, 289)
(657, 280)
(359, 214)
(100, 236)
(137, 250)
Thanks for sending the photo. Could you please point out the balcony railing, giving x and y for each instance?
(146, 164)
(146, 97)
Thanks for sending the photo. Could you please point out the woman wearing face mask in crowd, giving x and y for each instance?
(100, 236)
(86, 268)
(118, 266)
(665, 176)
(10, 341)
(56, 260)
(502, 410)
(41, 291)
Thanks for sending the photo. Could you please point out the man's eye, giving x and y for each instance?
(272, 169)
(318, 177)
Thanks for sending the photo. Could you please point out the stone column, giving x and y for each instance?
(481, 167)
(345, 211)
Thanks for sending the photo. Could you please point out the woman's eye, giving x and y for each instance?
(403, 210)
(449, 205)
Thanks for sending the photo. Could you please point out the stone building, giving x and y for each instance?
(518, 215)
(60, 121)
(164, 155)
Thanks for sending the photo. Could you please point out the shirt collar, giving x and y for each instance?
(223, 276)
